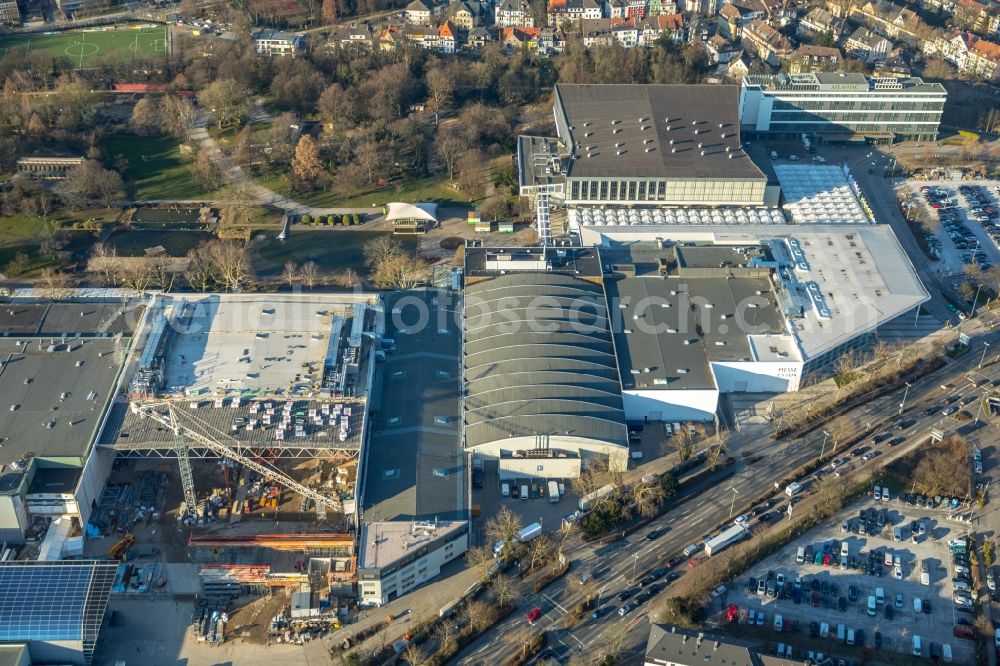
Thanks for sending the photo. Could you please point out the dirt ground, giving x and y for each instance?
(171, 538)
(252, 617)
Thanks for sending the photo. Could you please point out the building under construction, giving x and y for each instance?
(254, 380)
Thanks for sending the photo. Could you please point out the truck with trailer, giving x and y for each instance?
(590, 499)
(553, 491)
(524, 536)
(727, 538)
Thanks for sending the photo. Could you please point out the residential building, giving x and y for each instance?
(467, 15)
(478, 38)
(390, 37)
(636, 8)
(891, 20)
(10, 15)
(721, 50)
(513, 14)
(818, 22)
(447, 37)
(515, 39)
(270, 42)
(617, 8)
(655, 26)
(657, 7)
(978, 16)
(733, 18)
(417, 12)
(737, 68)
(896, 64)
(561, 12)
(355, 34)
(550, 41)
(766, 43)
(809, 58)
(840, 107)
(868, 46)
(972, 56)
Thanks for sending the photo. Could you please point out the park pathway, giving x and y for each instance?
(264, 196)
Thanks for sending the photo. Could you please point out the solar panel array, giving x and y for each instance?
(54, 601)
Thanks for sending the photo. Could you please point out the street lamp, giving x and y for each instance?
(905, 393)
(975, 301)
(986, 346)
(732, 506)
(823, 449)
(635, 563)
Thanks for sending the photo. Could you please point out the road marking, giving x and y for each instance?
(700, 520)
(554, 603)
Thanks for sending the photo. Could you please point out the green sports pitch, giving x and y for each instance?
(89, 48)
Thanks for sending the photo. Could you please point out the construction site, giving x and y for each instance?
(237, 433)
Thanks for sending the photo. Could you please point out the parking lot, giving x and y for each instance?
(820, 597)
(967, 212)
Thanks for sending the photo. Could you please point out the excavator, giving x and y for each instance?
(120, 549)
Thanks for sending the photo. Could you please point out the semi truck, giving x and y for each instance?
(553, 491)
(590, 499)
(727, 538)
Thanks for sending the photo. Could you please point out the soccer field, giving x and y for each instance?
(86, 49)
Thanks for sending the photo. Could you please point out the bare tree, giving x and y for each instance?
(587, 587)
(347, 278)
(310, 273)
(681, 440)
(102, 258)
(54, 283)
(476, 613)
(413, 655)
(716, 452)
(480, 559)
(446, 637)
(232, 263)
(450, 146)
(503, 527)
(648, 497)
(241, 198)
(539, 550)
(505, 590)
(290, 272)
(135, 275)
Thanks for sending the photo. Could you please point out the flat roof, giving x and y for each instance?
(61, 318)
(841, 82)
(54, 480)
(669, 644)
(863, 276)
(52, 402)
(539, 359)
(414, 465)
(488, 262)
(629, 129)
(266, 344)
(816, 194)
(383, 543)
(672, 325)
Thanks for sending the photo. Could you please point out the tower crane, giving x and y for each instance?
(166, 413)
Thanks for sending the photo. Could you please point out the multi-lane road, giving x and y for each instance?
(691, 521)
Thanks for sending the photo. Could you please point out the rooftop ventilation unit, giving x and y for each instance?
(673, 150)
(731, 155)
(721, 125)
(694, 122)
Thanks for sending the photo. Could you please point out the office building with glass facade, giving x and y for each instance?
(838, 107)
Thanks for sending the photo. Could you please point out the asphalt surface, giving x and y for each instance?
(691, 522)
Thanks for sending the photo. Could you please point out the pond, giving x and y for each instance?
(177, 242)
(333, 250)
(184, 217)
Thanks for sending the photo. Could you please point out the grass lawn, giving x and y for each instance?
(156, 168)
(23, 233)
(227, 135)
(89, 48)
(424, 189)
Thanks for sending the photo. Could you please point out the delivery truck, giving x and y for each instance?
(590, 499)
(553, 491)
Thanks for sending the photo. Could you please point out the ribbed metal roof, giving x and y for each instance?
(538, 359)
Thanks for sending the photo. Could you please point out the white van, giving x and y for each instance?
(845, 551)
(946, 653)
(879, 596)
(917, 605)
(824, 631)
(850, 636)
(692, 549)
(800, 555)
(885, 493)
(779, 623)
(918, 649)
(877, 493)
(871, 605)
(841, 633)
(504, 489)
(793, 489)
(524, 491)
